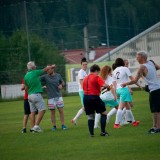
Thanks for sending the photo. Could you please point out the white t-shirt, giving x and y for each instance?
(109, 80)
(121, 75)
(81, 75)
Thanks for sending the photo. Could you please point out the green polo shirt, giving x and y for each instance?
(32, 81)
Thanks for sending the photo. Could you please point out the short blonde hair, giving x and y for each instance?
(30, 65)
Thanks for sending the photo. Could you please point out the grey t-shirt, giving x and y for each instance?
(52, 83)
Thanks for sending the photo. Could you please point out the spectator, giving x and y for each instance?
(33, 85)
(54, 83)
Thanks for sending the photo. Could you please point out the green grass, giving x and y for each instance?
(127, 143)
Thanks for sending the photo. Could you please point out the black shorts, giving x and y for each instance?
(154, 100)
(93, 104)
(26, 107)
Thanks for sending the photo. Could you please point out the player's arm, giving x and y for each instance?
(113, 91)
(157, 66)
(60, 86)
(22, 87)
(48, 68)
(132, 78)
(140, 73)
(26, 88)
(81, 82)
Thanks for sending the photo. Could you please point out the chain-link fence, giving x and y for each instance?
(42, 30)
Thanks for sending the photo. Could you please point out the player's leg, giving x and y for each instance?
(81, 111)
(97, 118)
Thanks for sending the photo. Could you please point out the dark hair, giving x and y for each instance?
(94, 68)
(83, 60)
(119, 62)
(113, 66)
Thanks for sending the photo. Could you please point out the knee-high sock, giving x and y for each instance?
(91, 126)
(118, 116)
(123, 111)
(103, 123)
(129, 115)
(79, 113)
(97, 118)
(91, 123)
(111, 112)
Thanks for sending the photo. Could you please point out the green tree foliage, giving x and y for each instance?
(14, 60)
(58, 24)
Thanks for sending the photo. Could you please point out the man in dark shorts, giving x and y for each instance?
(26, 108)
(148, 69)
(92, 85)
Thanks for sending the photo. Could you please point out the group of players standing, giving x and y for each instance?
(117, 94)
(100, 88)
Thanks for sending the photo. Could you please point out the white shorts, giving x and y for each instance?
(55, 103)
(36, 102)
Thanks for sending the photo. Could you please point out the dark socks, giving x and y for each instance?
(103, 123)
(91, 126)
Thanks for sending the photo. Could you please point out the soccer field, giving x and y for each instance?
(126, 143)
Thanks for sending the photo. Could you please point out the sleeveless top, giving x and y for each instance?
(151, 78)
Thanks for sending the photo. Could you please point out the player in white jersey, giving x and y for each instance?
(81, 75)
(148, 69)
(121, 75)
(124, 121)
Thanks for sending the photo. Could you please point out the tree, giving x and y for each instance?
(15, 59)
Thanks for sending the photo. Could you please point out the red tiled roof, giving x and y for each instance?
(75, 56)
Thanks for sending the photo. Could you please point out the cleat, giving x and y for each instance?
(116, 126)
(74, 122)
(153, 131)
(54, 128)
(104, 134)
(24, 130)
(36, 129)
(32, 131)
(64, 127)
(136, 123)
(124, 123)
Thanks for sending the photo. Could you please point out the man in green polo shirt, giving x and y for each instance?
(33, 85)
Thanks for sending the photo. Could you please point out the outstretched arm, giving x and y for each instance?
(140, 73)
(48, 67)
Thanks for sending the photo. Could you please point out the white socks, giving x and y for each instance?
(118, 116)
(79, 113)
(129, 115)
(111, 112)
(97, 118)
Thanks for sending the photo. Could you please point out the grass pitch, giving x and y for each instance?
(126, 143)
